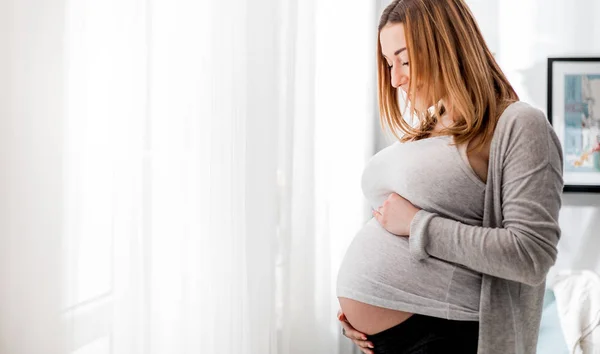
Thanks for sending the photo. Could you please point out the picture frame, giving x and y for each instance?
(574, 112)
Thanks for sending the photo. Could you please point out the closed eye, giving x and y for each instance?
(403, 64)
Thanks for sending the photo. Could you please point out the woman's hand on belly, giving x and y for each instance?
(360, 339)
(396, 214)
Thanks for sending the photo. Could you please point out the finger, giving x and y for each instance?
(363, 344)
(341, 316)
(379, 214)
(353, 334)
(362, 348)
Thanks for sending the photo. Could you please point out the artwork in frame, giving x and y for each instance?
(574, 112)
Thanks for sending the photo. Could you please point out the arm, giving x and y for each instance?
(524, 248)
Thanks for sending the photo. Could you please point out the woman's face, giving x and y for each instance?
(393, 48)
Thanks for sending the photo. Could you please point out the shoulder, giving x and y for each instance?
(524, 132)
(521, 117)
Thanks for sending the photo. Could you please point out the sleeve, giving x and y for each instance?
(524, 248)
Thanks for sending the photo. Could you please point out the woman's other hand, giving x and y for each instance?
(396, 214)
(360, 339)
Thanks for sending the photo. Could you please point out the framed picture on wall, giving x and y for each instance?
(574, 112)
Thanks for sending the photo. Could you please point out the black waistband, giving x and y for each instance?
(419, 330)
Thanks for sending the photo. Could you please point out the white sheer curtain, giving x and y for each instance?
(180, 176)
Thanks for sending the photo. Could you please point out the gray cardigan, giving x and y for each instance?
(516, 246)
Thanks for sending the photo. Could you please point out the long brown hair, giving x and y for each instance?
(449, 60)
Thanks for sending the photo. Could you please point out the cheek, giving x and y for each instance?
(406, 72)
(405, 79)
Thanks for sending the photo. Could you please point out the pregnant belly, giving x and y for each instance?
(379, 285)
(371, 319)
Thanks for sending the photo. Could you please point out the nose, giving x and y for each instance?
(397, 77)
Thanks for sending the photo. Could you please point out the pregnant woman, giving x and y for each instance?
(465, 203)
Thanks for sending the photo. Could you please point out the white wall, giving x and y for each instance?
(523, 34)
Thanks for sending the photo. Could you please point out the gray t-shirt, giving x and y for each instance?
(516, 244)
(378, 269)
